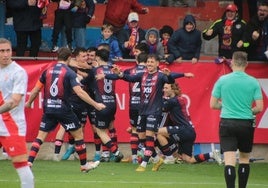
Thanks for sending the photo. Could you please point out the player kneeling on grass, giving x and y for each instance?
(180, 129)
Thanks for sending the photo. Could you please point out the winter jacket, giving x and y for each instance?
(83, 16)
(256, 48)
(115, 51)
(25, 17)
(219, 29)
(185, 44)
(156, 48)
(123, 36)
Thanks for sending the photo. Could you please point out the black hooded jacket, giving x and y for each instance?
(185, 44)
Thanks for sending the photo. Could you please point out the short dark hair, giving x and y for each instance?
(103, 54)
(142, 57)
(143, 47)
(104, 46)
(154, 56)
(92, 48)
(78, 50)
(64, 53)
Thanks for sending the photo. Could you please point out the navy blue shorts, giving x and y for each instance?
(68, 120)
(150, 123)
(81, 113)
(236, 134)
(184, 136)
(105, 117)
(91, 112)
(133, 116)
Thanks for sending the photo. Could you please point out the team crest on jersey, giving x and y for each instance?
(238, 26)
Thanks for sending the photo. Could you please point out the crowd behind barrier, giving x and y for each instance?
(196, 90)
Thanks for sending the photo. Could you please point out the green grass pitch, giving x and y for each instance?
(66, 174)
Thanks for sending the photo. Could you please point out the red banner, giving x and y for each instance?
(197, 91)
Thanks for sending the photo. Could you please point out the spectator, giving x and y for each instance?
(63, 18)
(117, 12)
(2, 17)
(257, 34)
(107, 37)
(230, 30)
(239, 97)
(81, 18)
(252, 7)
(13, 84)
(130, 36)
(165, 33)
(152, 39)
(185, 43)
(27, 24)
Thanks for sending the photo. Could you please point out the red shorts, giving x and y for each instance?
(14, 145)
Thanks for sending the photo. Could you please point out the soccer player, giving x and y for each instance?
(152, 82)
(179, 129)
(239, 97)
(104, 91)
(13, 86)
(80, 66)
(134, 104)
(58, 82)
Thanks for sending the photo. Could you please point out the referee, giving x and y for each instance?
(234, 94)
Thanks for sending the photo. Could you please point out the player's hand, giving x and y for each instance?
(166, 71)
(188, 75)
(99, 106)
(116, 69)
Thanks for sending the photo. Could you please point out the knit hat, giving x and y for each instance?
(231, 7)
(166, 29)
(133, 16)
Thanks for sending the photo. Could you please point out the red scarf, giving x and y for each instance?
(133, 39)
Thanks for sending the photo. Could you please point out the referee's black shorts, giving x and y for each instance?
(236, 134)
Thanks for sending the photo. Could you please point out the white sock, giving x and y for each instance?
(210, 154)
(170, 157)
(26, 177)
(144, 164)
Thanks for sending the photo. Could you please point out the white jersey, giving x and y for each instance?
(13, 80)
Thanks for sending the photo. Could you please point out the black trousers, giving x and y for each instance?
(62, 18)
(22, 41)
